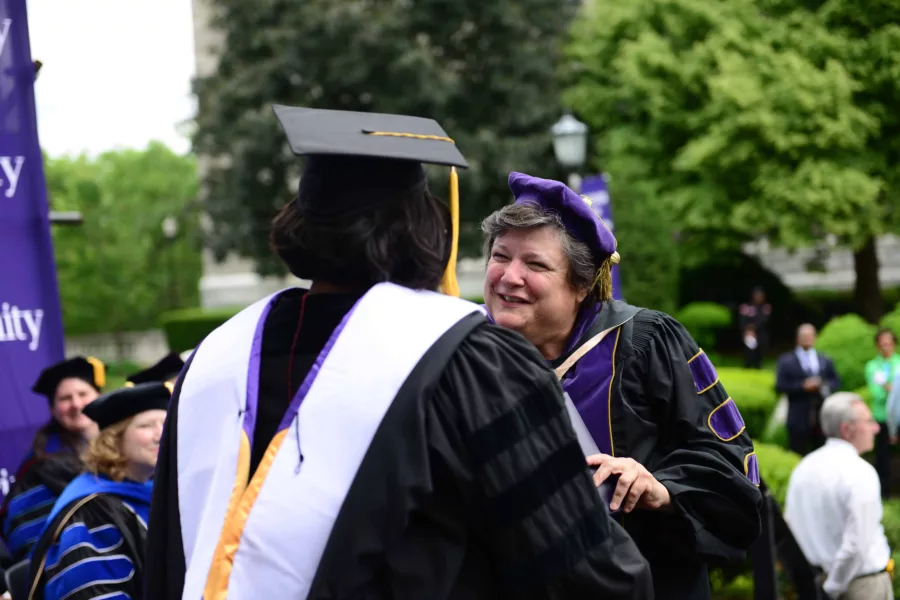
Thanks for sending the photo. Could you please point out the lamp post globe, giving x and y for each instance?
(570, 142)
(170, 227)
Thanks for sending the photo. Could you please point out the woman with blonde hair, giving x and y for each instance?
(95, 538)
(69, 386)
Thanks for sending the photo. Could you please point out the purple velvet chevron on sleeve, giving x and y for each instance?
(705, 375)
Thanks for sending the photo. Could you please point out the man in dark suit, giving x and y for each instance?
(807, 377)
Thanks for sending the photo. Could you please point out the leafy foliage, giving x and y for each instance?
(747, 118)
(650, 257)
(485, 70)
(117, 271)
(849, 341)
(703, 320)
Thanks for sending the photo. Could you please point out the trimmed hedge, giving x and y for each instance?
(850, 342)
(186, 328)
(754, 393)
(775, 467)
(703, 320)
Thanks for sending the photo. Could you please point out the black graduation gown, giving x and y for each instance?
(658, 419)
(475, 477)
(43, 480)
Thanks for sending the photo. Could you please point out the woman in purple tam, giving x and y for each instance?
(668, 443)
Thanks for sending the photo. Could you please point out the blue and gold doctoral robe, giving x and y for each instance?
(94, 542)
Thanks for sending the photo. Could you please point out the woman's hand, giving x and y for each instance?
(637, 488)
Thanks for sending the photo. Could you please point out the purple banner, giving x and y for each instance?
(594, 187)
(30, 321)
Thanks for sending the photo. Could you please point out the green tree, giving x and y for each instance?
(117, 272)
(650, 256)
(485, 70)
(750, 118)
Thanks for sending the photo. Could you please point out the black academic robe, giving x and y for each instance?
(38, 484)
(475, 476)
(658, 418)
(90, 550)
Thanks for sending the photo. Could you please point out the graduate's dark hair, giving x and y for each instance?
(403, 238)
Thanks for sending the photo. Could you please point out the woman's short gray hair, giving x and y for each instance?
(514, 217)
(837, 409)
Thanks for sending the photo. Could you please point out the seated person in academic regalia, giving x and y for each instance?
(658, 426)
(54, 460)
(370, 437)
(166, 370)
(94, 542)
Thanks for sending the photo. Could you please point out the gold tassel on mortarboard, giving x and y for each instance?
(603, 280)
(99, 372)
(449, 284)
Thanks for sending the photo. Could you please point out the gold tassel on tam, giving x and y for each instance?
(99, 371)
(449, 284)
(603, 281)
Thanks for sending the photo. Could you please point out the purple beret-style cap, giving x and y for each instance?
(575, 212)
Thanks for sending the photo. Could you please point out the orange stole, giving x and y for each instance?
(243, 496)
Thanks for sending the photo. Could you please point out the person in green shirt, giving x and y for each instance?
(881, 373)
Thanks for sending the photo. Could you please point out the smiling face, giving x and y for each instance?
(527, 289)
(140, 443)
(72, 395)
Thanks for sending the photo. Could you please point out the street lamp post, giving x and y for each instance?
(570, 146)
(170, 231)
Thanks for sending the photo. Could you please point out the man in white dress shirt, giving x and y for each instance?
(833, 505)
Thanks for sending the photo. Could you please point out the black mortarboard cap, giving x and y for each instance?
(315, 132)
(167, 368)
(128, 401)
(89, 369)
(367, 155)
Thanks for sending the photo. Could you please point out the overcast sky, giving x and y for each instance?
(116, 73)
